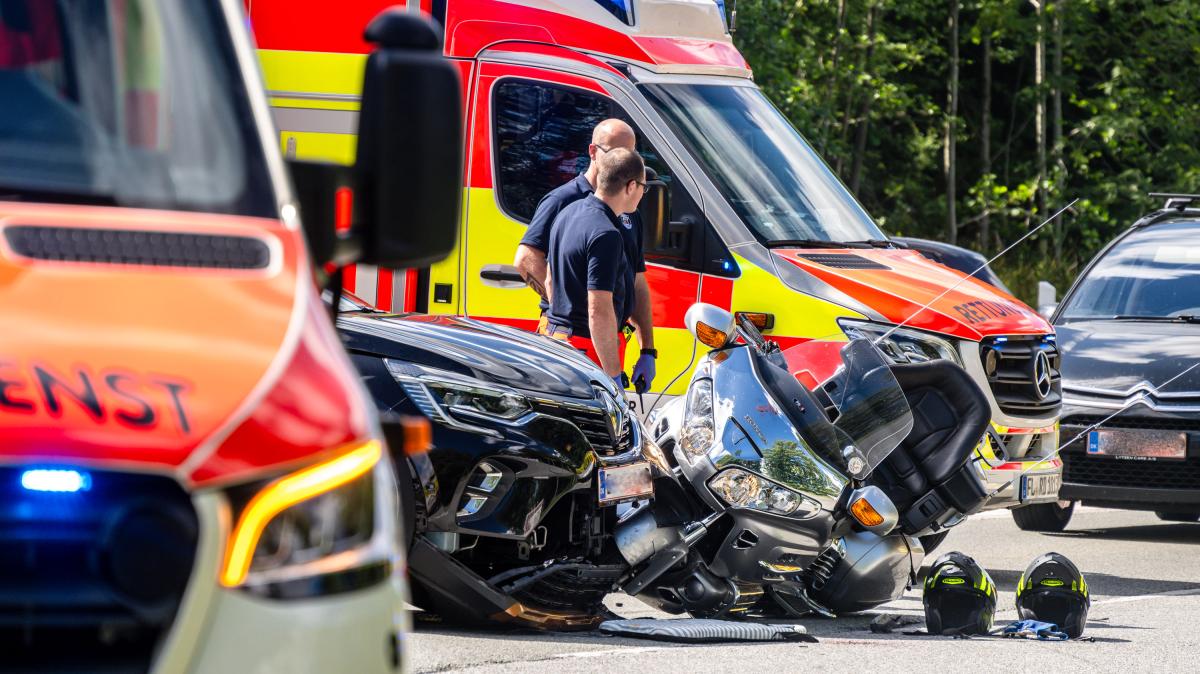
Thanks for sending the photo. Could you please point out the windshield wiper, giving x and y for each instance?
(1185, 318)
(815, 243)
(880, 243)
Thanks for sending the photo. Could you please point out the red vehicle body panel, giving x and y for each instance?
(471, 27)
(212, 375)
(967, 308)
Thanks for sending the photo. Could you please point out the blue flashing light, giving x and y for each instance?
(58, 480)
(1050, 338)
(727, 265)
(1001, 340)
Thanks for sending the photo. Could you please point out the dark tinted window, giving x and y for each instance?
(542, 137)
(622, 9)
(542, 132)
(1154, 272)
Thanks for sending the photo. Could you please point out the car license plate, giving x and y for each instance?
(1140, 445)
(624, 483)
(1040, 487)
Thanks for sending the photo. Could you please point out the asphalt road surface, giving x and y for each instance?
(1144, 576)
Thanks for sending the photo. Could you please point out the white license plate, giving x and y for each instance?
(624, 483)
(1040, 487)
(1141, 445)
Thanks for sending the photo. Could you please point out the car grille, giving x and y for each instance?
(92, 580)
(1081, 468)
(594, 424)
(1107, 472)
(1013, 382)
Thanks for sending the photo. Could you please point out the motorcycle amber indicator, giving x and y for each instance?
(286, 492)
(710, 336)
(761, 320)
(865, 513)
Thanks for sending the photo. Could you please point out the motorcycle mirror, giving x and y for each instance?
(872, 508)
(709, 324)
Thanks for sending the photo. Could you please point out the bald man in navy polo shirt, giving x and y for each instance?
(592, 282)
(530, 259)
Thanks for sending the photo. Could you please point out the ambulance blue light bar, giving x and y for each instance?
(57, 480)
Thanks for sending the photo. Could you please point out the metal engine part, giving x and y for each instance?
(639, 537)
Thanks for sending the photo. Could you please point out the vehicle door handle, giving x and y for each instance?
(501, 276)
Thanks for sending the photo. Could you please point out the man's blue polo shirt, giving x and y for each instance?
(587, 252)
(546, 214)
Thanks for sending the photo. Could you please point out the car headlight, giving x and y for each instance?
(699, 429)
(743, 489)
(654, 454)
(902, 345)
(457, 401)
(336, 518)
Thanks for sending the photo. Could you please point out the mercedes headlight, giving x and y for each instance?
(743, 489)
(902, 345)
(457, 401)
(699, 429)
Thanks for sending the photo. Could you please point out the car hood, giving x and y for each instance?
(485, 351)
(897, 283)
(1119, 356)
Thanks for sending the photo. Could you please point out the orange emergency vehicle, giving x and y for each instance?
(745, 214)
(192, 477)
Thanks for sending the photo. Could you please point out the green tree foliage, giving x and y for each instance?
(867, 82)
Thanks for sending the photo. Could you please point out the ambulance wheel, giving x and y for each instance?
(931, 541)
(1178, 516)
(1046, 517)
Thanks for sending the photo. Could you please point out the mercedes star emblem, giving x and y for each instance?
(1041, 375)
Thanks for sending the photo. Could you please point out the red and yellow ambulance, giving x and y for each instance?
(747, 216)
(192, 477)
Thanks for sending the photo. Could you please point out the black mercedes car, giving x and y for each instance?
(524, 429)
(1128, 328)
(955, 257)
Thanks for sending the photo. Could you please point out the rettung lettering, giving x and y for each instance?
(981, 311)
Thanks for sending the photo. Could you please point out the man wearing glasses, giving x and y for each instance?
(531, 260)
(591, 274)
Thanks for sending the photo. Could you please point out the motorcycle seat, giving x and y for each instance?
(929, 472)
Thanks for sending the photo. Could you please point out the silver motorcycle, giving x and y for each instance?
(805, 479)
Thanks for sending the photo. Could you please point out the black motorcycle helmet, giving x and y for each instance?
(1052, 590)
(960, 597)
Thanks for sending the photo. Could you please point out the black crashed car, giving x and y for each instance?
(1129, 329)
(521, 425)
(955, 257)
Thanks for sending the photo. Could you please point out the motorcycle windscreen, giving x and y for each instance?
(873, 414)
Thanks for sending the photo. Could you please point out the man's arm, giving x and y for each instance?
(602, 323)
(530, 259)
(531, 264)
(643, 312)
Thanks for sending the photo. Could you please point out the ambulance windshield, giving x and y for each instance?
(127, 103)
(771, 177)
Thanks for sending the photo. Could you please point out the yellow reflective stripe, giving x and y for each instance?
(796, 314)
(308, 73)
(449, 270)
(334, 147)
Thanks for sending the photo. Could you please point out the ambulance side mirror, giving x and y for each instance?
(655, 209)
(408, 171)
